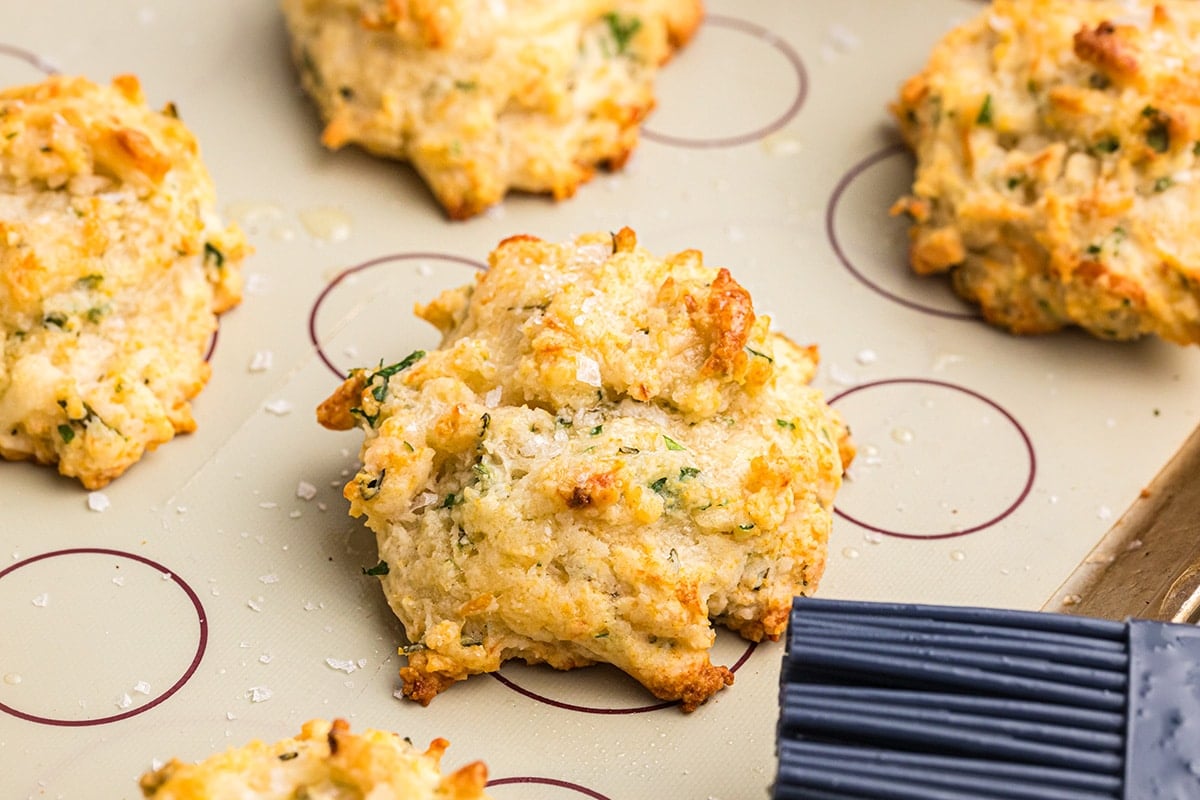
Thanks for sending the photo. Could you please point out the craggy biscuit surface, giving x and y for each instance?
(608, 452)
(484, 96)
(1057, 145)
(112, 270)
(325, 761)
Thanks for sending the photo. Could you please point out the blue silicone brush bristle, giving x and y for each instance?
(889, 701)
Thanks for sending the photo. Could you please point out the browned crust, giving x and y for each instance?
(1103, 48)
(334, 411)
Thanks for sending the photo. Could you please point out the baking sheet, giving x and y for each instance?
(214, 593)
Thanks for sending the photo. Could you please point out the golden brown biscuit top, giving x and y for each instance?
(451, 24)
(1057, 146)
(672, 331)
(326, 760)
(94, 185)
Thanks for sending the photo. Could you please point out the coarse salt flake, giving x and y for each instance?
(587, 370)
(279, 408)
(124, 701)
(866, 356)
(305, 490)
(259, 694)
(262, 361)
(841, 376)
(42, 600)
(98, 501)
(268, 579)
(492, 398)
(843, 38)
(141, 687)
(344, 665)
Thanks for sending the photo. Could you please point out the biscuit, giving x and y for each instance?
(608, 453)
(1056, 146)
(487, 97)
(113, 267)
(326, 760)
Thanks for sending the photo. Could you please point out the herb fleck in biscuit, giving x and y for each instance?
(325, 761)
(1057, 147)
(482, 96)
(608, 453)
(112, 270)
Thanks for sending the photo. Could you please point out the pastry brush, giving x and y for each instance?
(928, 702)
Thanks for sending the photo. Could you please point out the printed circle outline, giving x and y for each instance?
(365, 265)
(1024, 493)
(560, 784)
(792, 110)
(831, 233)
(201, 646)
(565, 706)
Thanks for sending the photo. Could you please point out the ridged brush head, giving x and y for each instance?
(923, 702)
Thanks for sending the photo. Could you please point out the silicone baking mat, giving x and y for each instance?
(214, 594)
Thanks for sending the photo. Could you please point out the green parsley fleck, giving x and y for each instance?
(596, 431)
(1163, 183)
(787, 424)
(369, 489)
(623, 29)
(1109, 144)
(67, 433)
(1158, 135)
(754, 352)
(672, 444)
(213, 254)
(984, 117)
(659, 485)
(380, 391)
(687, 473)
(379, 569)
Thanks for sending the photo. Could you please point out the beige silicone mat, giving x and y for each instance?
(214, 594)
